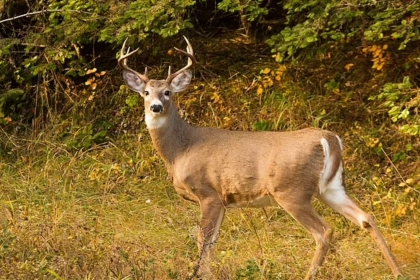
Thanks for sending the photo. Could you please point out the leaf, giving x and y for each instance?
(266, 71)
(132, 100)
(98, 75)
(349, 66)
(278, 57)
(377, 53)
(90, 81)
(410, 181)
(267, 82)
(261, 126)
(260, 90)
(90, 71)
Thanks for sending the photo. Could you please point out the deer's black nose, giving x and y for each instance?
(156, 108)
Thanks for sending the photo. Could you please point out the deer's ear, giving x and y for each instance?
(181, 81)
(133, 81)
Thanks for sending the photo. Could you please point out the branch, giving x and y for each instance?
(41, 12)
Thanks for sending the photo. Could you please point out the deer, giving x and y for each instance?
(221, 169)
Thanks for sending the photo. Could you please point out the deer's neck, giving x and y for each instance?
(172, 138)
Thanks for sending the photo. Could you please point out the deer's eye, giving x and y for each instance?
(167, 92)
(146, 93)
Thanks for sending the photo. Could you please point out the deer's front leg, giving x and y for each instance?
(212, 212)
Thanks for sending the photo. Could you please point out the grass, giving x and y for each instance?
(109, 212)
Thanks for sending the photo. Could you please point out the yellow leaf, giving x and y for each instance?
(100, 74)
(409, 181)
(376, 202)
(349, 66)
(267, 82)
(215, 97)
(266, 71)
(260, 90)
(277, 57)
(377, 53)
(90, 71)
(90, 81)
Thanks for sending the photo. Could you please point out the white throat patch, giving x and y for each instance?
(154, 121)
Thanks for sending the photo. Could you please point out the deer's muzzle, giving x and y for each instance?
(156, 108)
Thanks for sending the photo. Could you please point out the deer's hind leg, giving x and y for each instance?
(334, 196)
(300, 208)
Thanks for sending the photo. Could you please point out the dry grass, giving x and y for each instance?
(109, 213)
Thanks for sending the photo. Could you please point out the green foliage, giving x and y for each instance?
(251, 10)
(324, 22)
(50, 57)
(84, 137)
(402, 101)
(113, 21)
(255, 271)
(399, 21)
(262, 126)
(132, 101)
(250, 272)
(141, 18)
(10, 102)
(332, 86)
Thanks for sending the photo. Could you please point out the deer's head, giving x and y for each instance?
(157, 94)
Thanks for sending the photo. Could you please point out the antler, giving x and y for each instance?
(191, 61)
(122, 62)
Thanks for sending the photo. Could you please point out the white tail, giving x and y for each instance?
(222, 169)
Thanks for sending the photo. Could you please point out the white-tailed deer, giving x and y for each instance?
(222, 169)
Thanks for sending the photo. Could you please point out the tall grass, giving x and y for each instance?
(96, 215)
